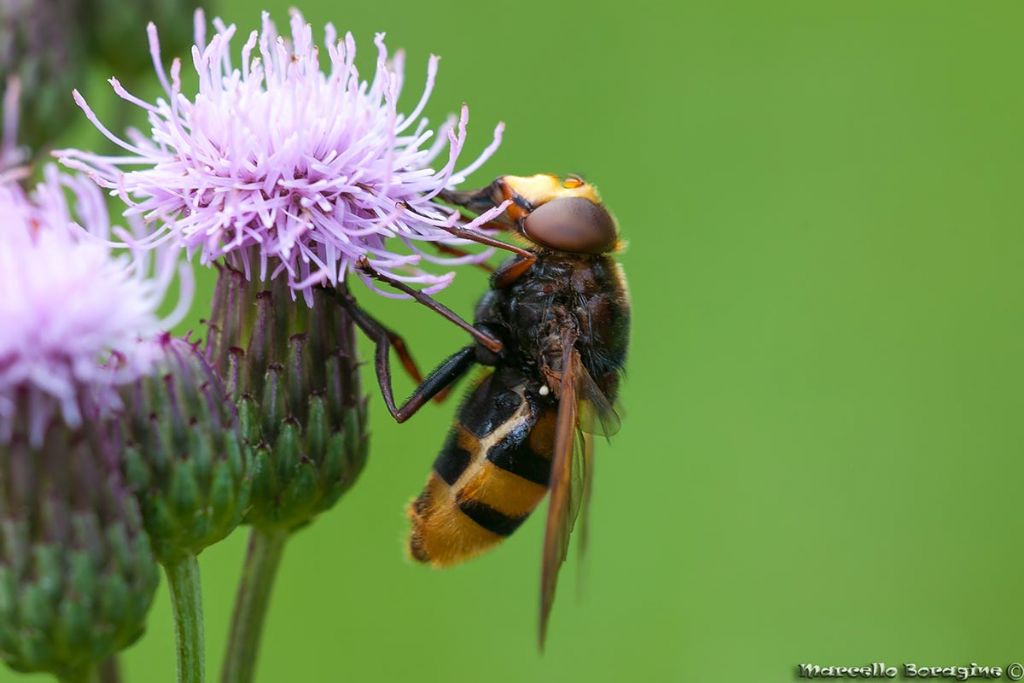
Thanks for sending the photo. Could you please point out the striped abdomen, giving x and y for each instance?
(488, 477)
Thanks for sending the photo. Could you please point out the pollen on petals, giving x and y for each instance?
(289, 163)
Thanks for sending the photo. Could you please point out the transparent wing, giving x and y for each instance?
(585, 470)
(568, 485)
(597, 415)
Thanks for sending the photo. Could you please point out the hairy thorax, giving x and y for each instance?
(581, 295)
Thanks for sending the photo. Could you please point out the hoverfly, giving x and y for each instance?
(553, 328)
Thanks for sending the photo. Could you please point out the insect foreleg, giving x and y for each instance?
(511, 271)
(396, 341)
(384, 339)
(438, 381)
(448, 314)
(480, 238)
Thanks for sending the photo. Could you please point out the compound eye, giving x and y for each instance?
(572, 182)
(572, 224)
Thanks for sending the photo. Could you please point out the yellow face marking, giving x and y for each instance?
(543, 187)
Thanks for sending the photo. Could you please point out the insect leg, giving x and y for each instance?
(404, 355)
(476, 201)
(438, 382)
(397, 342)
(484, 338)
(383, 338)
(509, 272)
(480, 238)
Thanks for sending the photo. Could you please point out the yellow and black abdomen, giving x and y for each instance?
(490, 474)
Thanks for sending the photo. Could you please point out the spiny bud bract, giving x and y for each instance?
(293, 372)
(77, 575)
(185, 458)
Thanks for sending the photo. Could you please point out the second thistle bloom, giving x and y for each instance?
(77, 574)
(289, 169)
(77, 319)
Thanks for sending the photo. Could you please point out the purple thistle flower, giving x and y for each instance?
(283, 167)
(78, 319)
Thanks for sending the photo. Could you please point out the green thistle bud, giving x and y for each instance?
(41, 46)
(76, 572)
(293, 372)
(184, 457)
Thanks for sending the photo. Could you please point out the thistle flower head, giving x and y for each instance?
(287, 162)
(76, 317)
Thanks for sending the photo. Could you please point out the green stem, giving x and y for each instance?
(110, 671)
(261, 562)
(83, 676)
(187, 601)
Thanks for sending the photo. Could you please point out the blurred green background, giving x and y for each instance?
(823, 447)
